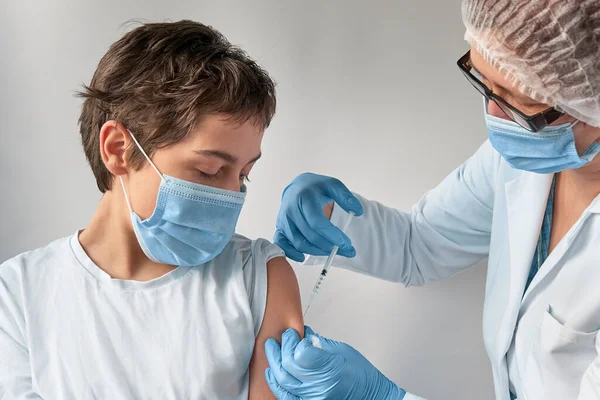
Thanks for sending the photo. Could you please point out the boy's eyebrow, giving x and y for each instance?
(224, 156)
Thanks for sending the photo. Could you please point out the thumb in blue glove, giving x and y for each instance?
(277, 389)
(333, 371)
(303, 228)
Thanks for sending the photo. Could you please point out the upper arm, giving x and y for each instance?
(283, 311)
(450, 228)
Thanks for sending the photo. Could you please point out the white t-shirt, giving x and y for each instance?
(70, 331)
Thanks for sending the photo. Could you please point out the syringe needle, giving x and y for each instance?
(326, 267)
(312, 296)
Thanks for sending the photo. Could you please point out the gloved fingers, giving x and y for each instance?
(308, 331)
(337, 191)
(330, 346)
(311, 358)
(276, 388)
(319, 230)
(333, 346)
(314, 237)
(288, 248)
(348, 252)
(305, 244)
(312, 336)
(301, 220)
(289, 341)
(274, 357)
(326, 228)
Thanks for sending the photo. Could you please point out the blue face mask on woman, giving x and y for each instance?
(549, 151)
(191, 223)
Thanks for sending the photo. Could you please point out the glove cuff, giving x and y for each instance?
(410, 396)
(388, 390)
(396, 392)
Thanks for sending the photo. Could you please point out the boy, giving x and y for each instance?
(156, 298)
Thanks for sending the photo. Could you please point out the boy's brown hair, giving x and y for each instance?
(160, 79)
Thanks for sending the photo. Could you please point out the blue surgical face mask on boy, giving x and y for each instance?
(191, 223)
(548, 151)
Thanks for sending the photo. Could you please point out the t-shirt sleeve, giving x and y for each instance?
(15, 369)
(255, 278)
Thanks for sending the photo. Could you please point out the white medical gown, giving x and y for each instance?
(485, 208)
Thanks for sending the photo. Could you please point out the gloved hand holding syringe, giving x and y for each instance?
(327, 265)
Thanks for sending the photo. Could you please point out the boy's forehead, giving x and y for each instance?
(222, 133)
(221, 121)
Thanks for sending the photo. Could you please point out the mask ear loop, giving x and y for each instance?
(146, 155)
(151, 163)
(126, 195)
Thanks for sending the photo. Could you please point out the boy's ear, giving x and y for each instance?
(114, 142)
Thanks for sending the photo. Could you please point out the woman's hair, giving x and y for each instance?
(548, 49)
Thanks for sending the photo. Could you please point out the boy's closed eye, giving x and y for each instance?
(243, 177)
(218, 167)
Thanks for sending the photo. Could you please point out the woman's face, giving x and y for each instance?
(585, 135)
(496, 82)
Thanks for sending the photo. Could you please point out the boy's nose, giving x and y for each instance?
(232, 184)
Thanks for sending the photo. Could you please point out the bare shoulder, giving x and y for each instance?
(284, 308)
(282, 290)
(283, 311)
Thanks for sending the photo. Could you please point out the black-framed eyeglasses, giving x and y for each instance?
(533, 123)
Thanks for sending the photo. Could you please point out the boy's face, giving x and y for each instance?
(218, 153)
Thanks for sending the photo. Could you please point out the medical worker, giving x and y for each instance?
(528, 199)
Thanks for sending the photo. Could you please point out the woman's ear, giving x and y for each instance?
(114, 142)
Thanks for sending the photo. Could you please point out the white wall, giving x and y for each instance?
(368, 92)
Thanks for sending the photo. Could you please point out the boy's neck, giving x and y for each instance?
(109, 240)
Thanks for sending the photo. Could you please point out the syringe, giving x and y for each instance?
(325, 269)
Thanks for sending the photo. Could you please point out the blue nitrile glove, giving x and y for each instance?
(302, 227)
(303, 371)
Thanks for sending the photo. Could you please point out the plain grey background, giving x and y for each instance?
(368, 92)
